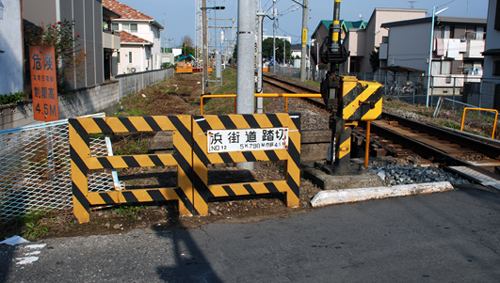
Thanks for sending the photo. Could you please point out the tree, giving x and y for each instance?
(187, 46)
(186, 40)
(69, 54)
(235, 52)
(374, 59)
(267, 49)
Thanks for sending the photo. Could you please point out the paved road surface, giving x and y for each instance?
(446, 237)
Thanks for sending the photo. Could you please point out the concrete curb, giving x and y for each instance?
(360, 194)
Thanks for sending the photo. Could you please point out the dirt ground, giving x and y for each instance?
(178, 95)
(181, 95)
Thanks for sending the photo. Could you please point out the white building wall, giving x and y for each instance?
(11, 51)
(409, 51)
(147, 31)
(374, 32)
(138, 59)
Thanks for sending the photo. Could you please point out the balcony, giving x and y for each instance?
(110, 40)
(474, 48)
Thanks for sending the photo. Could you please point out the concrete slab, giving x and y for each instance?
(338, 182)
(361, 194)
(162, 141)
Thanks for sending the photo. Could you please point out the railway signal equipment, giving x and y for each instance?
(349, 99)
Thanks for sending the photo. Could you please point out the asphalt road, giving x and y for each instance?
(445, 237)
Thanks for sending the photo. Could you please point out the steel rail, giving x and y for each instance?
(419, 147)
(486, 149)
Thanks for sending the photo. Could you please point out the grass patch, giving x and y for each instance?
(132, 146)
(129, 210)
(450, 124)
(219, 106)
(30, 226)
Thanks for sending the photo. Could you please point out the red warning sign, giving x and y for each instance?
(44, 83)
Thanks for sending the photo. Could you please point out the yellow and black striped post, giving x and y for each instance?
(82, 162)
(201, 158)
(359, 101)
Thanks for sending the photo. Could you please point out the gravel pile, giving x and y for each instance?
(394, 174)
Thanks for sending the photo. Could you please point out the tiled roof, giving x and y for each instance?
(126, 37)
(126, 12)
(345, 24)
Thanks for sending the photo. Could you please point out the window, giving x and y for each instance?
(133, 27)
(480, 33)
(130, 57)
(114, 26)
(118, 57)
(496, 68)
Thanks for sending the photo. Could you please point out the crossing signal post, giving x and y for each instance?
(349, 100)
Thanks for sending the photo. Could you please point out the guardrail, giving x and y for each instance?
(268, 95)
(481, 109)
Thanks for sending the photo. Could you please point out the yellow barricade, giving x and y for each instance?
(210, 128)
(82, 162)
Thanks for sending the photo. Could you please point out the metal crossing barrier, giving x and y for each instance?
(245, 138)
(82, 162)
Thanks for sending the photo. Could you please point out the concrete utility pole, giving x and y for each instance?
(304, 41)
(274, 37)
(204, 47)
(246, 58)
(284, 51)
(260, 104)
(303, 52)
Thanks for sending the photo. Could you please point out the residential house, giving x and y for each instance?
(88, 19)
(363, 38)
(111, 43)
(11, 43)
(140, 48)
(456, 52)
(491, 71)
(297, 52)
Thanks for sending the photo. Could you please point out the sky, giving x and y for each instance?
(181, 15)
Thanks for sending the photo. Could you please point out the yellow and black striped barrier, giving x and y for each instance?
(361, 100)
(82, 162)
(210, 147)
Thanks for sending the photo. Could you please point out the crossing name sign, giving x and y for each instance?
(44, 83)
(247, 140)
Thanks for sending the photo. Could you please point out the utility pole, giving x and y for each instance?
(246, 59)
(204, 47)
(303, 52)
(284, 51)
(274, 37)
(304, 41)
(260, 104)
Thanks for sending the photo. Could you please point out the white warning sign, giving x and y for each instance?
(247, 140)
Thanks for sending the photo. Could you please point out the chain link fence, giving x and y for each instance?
(412, 87)
(36, 169)
(456, 108)
(289, 72)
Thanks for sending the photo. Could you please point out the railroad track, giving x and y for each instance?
(400, 137)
